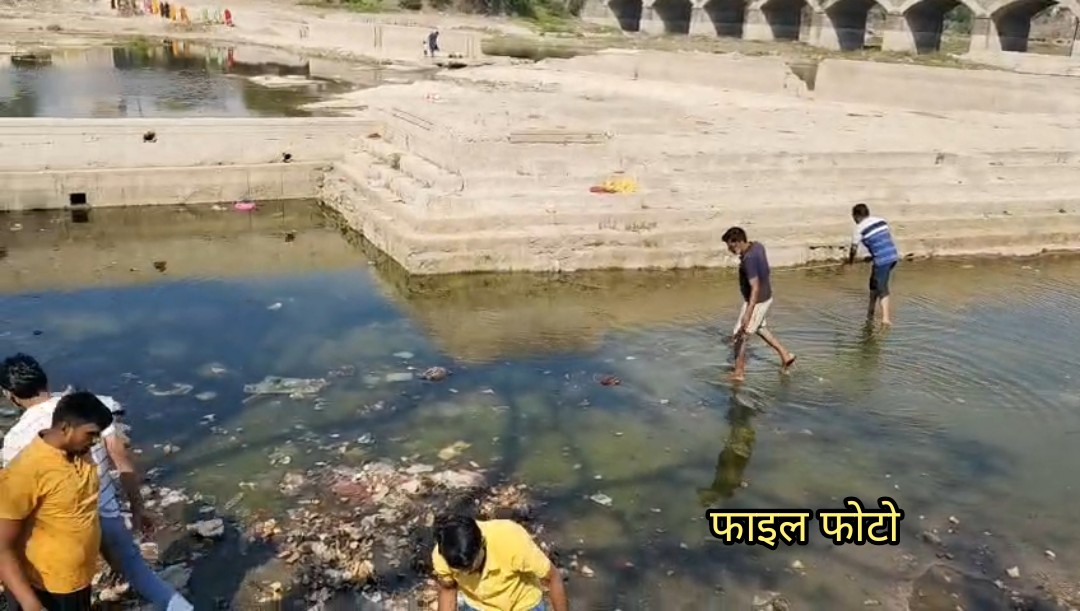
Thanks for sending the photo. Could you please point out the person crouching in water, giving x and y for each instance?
(49, 527)
(494, 565)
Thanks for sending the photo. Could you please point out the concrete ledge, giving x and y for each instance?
(36, 144)
(945, 89)
(767, 75)
(155, 186)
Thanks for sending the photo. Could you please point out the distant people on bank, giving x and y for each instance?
(756, 290)
(432, 46)
(492, 565)
(50, 532)
(873, 233)
(25, 383)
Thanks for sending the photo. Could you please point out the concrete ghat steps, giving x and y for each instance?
(760, 200)
(568, 257)
(396, 230)
(469, 158)
(833, 177)
(602, 211)
(425, 230)
(421, 170)
(709, 231)
(1061, 185)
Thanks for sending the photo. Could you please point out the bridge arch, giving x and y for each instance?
(787, 19)
(627, 13)
(727, 16)
(928, 20)
(1012, 20)
(674, 14)
(848, 21)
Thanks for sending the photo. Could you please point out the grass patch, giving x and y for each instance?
(583, 42)
(355, 6)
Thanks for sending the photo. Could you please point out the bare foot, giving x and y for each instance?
(738, 376)
(886, 323)
(788, 362)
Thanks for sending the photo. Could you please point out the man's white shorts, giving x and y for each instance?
(757, 319)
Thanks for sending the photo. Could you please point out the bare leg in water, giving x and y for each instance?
(886, 312)
(786, 357)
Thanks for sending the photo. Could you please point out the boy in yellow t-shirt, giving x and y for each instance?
(49, 529)
(495, 566)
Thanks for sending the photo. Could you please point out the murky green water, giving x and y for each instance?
(155, 78)
(970, 407)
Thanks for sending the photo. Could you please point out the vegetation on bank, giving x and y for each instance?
(546, 15)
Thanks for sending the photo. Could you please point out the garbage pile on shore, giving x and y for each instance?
(362, 531)
(367, 530)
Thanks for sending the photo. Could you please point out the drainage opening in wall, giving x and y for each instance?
(80, 212)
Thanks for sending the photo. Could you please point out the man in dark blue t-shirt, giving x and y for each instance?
(756, 292)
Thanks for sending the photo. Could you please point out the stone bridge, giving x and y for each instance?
(910, 25)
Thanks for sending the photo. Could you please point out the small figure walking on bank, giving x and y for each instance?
(873, 233)
(757, 296)
(433, 42)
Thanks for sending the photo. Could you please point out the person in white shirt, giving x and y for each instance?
(25, 384)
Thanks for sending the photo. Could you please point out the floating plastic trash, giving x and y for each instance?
(244, 206)
(273, 385)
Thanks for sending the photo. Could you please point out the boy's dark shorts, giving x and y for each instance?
(76, 601)
(879, 279)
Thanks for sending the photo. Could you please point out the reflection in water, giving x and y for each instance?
(733, 459)
(951, 413)
(162, 79)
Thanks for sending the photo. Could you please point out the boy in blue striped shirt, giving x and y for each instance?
(873, 233)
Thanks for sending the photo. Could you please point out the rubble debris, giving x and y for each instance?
(296, 388)
(771, 601)
(208, 529)
(435, 374)
(405, 376)
(367, 529)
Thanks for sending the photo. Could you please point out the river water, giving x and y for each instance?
(164, 78)
(969, 408)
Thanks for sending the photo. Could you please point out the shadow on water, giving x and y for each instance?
(168, 78)
(862, 414)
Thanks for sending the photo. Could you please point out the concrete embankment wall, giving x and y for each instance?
(51, 144)
(54, 163)
(945, 89)
(862, 82)
(376, 38)
(160, 185)
(767, 75)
